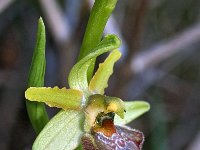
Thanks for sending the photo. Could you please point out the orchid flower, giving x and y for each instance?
(89, 117)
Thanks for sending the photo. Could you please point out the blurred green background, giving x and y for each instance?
(160, 64)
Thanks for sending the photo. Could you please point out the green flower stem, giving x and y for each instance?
(36, 111)
(99, 15)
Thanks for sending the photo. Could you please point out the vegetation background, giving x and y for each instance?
(160, 64)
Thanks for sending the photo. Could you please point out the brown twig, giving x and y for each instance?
(125, 75)
(56, 20)
(138, 26)
(165, 49)
(61, 31)
(4, 4)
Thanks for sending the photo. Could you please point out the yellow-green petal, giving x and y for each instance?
(55, 97)
(134, 109)
(78, 76)
(100, 80)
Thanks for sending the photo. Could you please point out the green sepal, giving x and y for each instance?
(134, 109)
(78, 76)
(63, 132)
(55, 97)
(36, 111)
(100, 80)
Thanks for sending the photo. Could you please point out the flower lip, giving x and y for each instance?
(124, 138)
(105, 135)
(105, 124)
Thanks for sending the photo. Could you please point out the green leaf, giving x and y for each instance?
(79, 147)
(100, 80)
(55, 97)
(99, 15)
(38, 65)
(36, 111)
(78, 76)
(63, 132)
(134, 109)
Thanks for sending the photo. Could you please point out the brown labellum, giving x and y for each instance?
(124, 139)
(110, 137)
